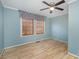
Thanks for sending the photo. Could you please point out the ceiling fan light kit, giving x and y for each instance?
(53, 6)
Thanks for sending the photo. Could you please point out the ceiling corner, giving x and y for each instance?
(72, 1)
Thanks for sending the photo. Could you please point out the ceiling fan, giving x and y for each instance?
(53, 6)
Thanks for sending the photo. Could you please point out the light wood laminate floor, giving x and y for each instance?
(46, 49)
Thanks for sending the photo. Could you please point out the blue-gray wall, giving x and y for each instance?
(12, 29)
(59, 28)
(56, 27)
(73, 40)
(1, 27)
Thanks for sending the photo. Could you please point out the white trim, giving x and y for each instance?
(15, 46)
(21, 29)
(10, 7)
(34, 29)
(21, 26)
(72, 1)
(73, 54)
(63, 41)
(60, 40)
(26, 43)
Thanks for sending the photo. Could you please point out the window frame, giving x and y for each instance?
(34, 28)
(43, 26)
(21, 34)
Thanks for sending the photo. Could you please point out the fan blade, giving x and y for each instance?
(59, 8)
(50, 11)
(43, 9)
(46, 3)
(59, 3)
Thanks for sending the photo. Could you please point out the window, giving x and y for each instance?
(27, 23)
(27, 27)
(40, 26)
(31, 24)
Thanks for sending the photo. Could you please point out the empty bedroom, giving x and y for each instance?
(39, 29)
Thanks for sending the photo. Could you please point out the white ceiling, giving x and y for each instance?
(34, 6)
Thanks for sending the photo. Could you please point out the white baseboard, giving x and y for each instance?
(60, 40)
(63, 41)
(73, 54)
(25, 43)
(33, 42)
